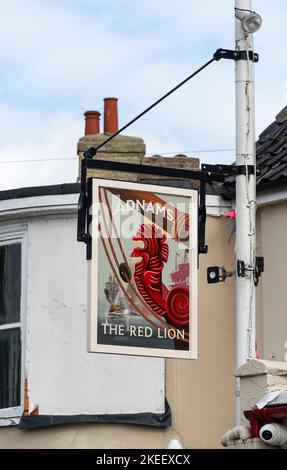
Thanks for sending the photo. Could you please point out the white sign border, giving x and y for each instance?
(93, 346)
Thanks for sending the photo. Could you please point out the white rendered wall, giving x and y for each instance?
(63, 379)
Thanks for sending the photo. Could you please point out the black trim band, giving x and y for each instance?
(34, 191)
(242, 169)
(144, 419)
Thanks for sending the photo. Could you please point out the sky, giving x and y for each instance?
(59, 58)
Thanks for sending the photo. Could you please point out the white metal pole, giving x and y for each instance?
(245, 198)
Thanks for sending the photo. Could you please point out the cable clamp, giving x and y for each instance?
(243, 169)
(235, 55)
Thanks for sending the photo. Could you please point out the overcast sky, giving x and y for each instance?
(60, 58)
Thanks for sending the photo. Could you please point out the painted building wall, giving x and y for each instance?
(63, 378)
(202, 393)
(272, 294)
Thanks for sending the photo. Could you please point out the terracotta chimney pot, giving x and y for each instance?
(111, 124)
(92, 122)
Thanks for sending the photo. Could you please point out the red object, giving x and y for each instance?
(258, 418)
(180, 276)
(231, 214)
(111, 124)
(173, 303)
(92, 122)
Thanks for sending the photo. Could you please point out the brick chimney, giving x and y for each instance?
(92, 125)
(111, 122)
(122, 148)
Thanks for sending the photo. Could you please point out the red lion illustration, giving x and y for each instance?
(172, 304)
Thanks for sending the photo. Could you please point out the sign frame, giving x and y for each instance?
(93, 345)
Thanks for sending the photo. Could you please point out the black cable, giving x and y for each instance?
(91, 152)
(175, 152)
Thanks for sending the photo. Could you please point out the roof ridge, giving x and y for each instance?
(281, 116)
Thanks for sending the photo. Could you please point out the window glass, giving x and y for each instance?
(10, 368)
(10, 283)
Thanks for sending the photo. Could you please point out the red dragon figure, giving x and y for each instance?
(172, 304)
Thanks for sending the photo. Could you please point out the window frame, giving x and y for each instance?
(11, 236)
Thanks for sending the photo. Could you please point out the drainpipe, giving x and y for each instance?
(245, 198)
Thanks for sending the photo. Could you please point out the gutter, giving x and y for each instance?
(273, 196)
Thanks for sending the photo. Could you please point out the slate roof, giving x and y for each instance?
(271, 152)
(271, 159)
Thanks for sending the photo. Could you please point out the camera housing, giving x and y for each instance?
(274, 434)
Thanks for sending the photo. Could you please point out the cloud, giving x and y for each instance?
(32, 151)
(61, 58)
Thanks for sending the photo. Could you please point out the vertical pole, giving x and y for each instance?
(245, 199)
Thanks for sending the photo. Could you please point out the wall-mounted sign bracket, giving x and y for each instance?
(231, 170)
(203, 176)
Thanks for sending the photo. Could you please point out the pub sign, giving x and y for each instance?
(143, 270)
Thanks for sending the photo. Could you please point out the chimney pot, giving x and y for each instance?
(92, 122)
(111, 124)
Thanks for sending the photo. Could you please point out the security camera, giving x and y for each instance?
(217, 274)
(274, 434)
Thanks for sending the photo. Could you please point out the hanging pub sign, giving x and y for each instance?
(143, 270)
